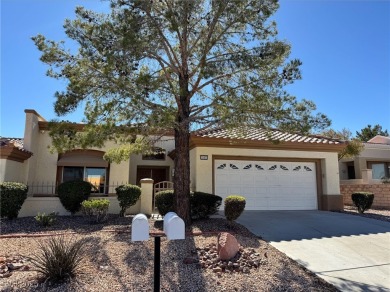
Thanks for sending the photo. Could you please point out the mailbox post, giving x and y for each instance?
(174, 228)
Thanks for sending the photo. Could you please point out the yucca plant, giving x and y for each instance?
(59, 258)
(46, 220)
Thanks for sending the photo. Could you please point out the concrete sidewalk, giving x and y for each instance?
(351, 252)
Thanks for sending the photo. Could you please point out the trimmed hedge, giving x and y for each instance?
(234, 206)
(363, 200)
(128, 195)
(96, 209)
(12, 197)
(164, 202)
(73, 193)
(202, 204)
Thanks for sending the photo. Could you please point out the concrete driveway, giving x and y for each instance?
(351, 252)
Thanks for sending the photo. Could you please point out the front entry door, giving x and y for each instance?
(158, 174)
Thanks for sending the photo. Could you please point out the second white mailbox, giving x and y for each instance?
(174, 227)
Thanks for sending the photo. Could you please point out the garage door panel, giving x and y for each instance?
(268, 185)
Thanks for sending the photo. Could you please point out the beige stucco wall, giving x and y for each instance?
(41, 168)
(203, 169)
(32, 206)
(193, 166)
(32, 143)
(12, 170)
(44, 168)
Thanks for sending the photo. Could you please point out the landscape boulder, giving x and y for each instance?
(227, 246)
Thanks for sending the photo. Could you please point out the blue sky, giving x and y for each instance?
(344, 47)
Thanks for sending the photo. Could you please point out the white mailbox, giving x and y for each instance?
(167, 217)
(140, 228)
(174, 227)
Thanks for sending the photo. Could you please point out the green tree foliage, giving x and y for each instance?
(353, 147)
(149, 66)
(370, 132)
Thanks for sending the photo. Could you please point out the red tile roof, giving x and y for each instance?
(15, 142)
(255, 134)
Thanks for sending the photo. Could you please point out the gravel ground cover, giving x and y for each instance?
(114, 263)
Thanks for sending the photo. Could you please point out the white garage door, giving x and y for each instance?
(268, 185)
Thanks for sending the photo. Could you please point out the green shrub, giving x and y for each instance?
(204, 204)
(164, 202)
(96, 209)
(234, 206)
(363, 200)
(12, 197)
(72, 193)
(46, 219)
(58, 258)
(385, 180)
(128, 195)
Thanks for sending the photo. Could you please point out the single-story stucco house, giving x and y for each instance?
(366, 171)
(298, 173)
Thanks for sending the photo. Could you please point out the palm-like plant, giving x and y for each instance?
(59, 258)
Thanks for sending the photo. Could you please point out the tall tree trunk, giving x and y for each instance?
(182, 159)
(182, 174)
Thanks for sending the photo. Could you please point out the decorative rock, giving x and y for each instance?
(3, 259)
(14, 266)
(189, 261)
(217, 270)
(6, 275)
(227, 246)
(25, 268)
(242, 262)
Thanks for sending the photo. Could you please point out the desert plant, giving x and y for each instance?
(128, 195)
(385, 180)
(164, 201)
(72, 193)
(58, 258)
(46, 219)
(204, 204)
(363, 200)
(234, 206)
(12, 197)
(96, 209)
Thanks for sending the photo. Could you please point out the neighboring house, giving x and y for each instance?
(298, 173)
(365, 172)
(370, 166)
